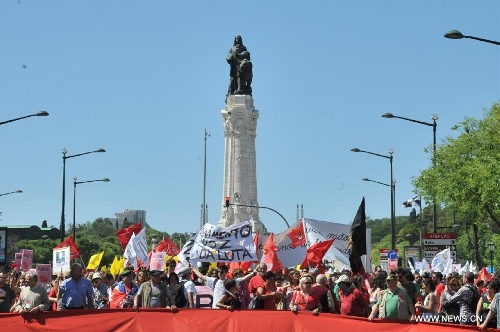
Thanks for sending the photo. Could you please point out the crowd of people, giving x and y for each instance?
(399, 294)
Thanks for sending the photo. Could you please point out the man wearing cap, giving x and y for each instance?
(394, 302)
(189, 287)
(154, 294)
(100, 292)
(123, 294)
(352, 300)
(76, 292)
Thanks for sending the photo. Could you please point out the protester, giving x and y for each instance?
(76, 292)
(410, 287)
(291, 284)
(394, 303)
(256, 282)
(229, 300)
(465, 296)
(302, 299)
(217, 284)
(33, 298)
(485, 302)
(320, 292)
(352, 301)
(242, 289)
(141, 276)
(124, 293)
(7, 295)
(268, 292)
(429, 306)
(189, 287)
(154, 294)
(110, 282)
(101, 296)
(438, 280)
(450, 309)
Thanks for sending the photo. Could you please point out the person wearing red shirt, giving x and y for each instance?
(268, 292)
(303, 300)
(256, 282)
(438, 278)
(352, 301)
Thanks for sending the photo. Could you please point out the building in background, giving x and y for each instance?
(131, 217)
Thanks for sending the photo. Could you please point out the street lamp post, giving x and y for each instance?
(12, 192)
(434, 117)
(455, 34)
(491, 247)
(64, 151)
(259, 207)
(393, 193)
(204, 207)
(74, 199)
(41, 113)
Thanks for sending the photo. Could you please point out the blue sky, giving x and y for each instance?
(142, 79)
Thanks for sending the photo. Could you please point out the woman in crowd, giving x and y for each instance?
(229, 300)
(173, 284)
(291, 284)
(242, 289)
(100, 291)
(378, 285)
(302, 299)
(268, 293)
(447, 308)
(141, 277)
(429, 306)
(483, 306)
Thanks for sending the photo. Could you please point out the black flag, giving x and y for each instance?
(357, 240)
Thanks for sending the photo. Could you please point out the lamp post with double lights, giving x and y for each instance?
(74, 199)
(455, 34)
(491, 247)
(41, 113)
(64, 151)
(393, 193)
(393, 217)
(204, 206)
(12, 192)
(434, 117)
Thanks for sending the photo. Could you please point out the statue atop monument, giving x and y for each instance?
(241, 69)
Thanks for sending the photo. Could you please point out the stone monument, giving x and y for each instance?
(240, 130)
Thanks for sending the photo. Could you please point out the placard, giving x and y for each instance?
(44, 273)
(61, 260)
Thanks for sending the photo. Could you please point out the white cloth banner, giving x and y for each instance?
(60, 260)
(317, 231)
(184, 255)
(224, 244)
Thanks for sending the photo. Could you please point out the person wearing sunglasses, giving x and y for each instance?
(302, 298)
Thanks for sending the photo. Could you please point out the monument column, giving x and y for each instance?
(240, 171)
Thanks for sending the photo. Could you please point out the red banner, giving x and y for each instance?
(206, 320)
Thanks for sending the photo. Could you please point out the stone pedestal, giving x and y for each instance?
(240, 173)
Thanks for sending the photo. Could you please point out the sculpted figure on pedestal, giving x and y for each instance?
(241, 69)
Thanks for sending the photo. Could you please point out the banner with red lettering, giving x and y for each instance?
(44, 272)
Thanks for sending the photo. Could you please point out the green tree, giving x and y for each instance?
(466, 177)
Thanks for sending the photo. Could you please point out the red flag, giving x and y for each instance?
(73, 249)
(125, 234)
(269, 255)
(166, 245)
(483, 275)
(297, 236)
(315, 253)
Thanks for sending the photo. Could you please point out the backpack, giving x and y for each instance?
(475, 298)
(180, 297)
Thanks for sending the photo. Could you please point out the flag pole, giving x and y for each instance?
(421, 221)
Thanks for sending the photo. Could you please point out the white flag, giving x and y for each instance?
(129, 254)
(412, 268)
(442, 258)
(425, 265)
(141, 246)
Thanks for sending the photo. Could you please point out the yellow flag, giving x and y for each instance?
(104, 269)
(117, 266)
(94, 261)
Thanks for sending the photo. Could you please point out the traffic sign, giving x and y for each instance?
(392, 254)
(447, 242)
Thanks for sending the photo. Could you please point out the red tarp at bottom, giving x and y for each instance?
(204, 320)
